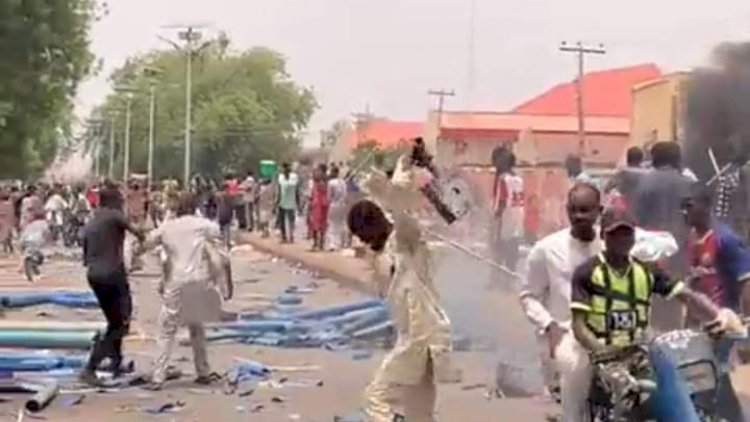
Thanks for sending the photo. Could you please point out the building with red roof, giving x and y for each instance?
(605, 93)
(385, 133)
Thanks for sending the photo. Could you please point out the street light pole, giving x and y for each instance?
(126, 159)
(112, 129)
(188, 106)
(151, 118)
(190, 35)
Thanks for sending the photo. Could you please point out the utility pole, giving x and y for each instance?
(581, 50)
(152, 73)
(112, 129)
(190, 35)
(471, 59)
(441, 94)
(151, 128)
(126, 159)
(94, 130)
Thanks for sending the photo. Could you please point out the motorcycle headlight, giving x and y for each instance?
(700, 376)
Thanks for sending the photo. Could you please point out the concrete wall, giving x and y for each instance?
(533, 148)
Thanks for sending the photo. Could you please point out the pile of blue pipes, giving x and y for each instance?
(331, 327)
(62, 298)
(52, 336)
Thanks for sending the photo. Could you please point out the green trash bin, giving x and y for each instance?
(268, 169)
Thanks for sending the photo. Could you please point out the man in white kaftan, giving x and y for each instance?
(403, 275)
(194, 271)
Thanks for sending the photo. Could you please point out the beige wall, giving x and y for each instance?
(657, 110)
(533, 148)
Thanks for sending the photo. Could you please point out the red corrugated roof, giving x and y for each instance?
(505, 122)
(605, 93)
(387, 133)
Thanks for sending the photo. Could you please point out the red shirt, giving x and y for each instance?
(92, 196)
(702, 255)
(233, 187)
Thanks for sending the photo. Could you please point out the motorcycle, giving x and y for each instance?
(56, 222)
(71, 231)
(688, 354)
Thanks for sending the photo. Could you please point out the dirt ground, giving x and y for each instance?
(259, 279)
(326, 383)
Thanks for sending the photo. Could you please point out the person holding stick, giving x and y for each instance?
(403, 276)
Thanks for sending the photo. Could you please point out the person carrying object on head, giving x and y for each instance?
(103, 243)
(196, 274)
(404, 277)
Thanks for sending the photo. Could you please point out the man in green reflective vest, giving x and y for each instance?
(611, 294)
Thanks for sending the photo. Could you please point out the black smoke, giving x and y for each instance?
(717, 110)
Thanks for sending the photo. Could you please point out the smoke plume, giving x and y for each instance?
(718, 109)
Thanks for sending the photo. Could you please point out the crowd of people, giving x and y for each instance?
(587, 288)
(585, 294)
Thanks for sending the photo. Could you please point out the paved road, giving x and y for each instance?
(259, 279)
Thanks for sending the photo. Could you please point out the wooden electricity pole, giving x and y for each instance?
(581, 50)
(441, 94)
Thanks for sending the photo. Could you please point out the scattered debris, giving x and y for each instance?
(355, 418)
(474, 387)
(71, 400)
(169, 407)
(361, 354)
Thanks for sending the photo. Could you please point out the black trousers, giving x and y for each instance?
(241, 214)
(112, 291)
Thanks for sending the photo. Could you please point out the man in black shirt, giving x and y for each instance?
(103, 239)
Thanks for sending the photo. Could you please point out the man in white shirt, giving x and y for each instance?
(248, 192)
(546, 291)
(195, 273)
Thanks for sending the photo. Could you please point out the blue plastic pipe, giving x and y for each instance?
(379, 316)
(353, 316)
(378, 330)
(43, 397)
(337, 310)
(80, 340)
(68, 299)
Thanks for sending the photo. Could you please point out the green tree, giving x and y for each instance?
(45, 53)
(246, 108)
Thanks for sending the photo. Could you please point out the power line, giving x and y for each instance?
(580, 51)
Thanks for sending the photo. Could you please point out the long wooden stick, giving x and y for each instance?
(473, 254)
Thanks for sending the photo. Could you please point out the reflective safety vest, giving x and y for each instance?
(619, 303)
